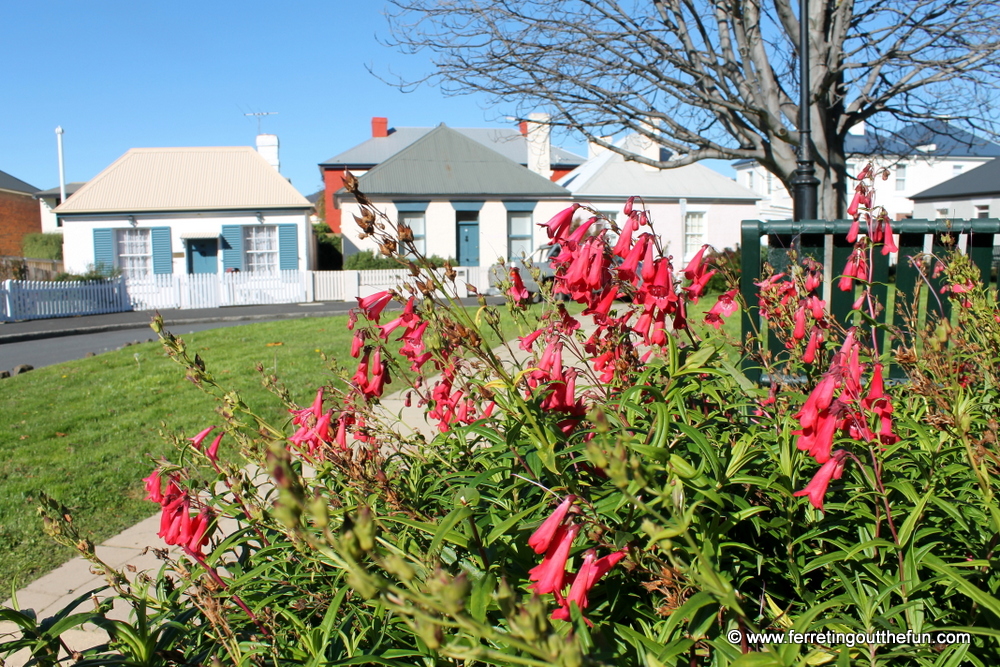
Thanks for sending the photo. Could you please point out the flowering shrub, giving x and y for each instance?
(604, 489)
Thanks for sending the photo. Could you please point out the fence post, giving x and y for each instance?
(749, 273)
(8, 312)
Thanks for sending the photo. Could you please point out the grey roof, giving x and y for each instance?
(8, 182)
(315, 197)
(610, 175)
(446, 162)
(947, 141)
(979, 181)
(54, 192)
(509, 143)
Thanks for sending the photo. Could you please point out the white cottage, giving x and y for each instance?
(202, 210)
(689, 206)
(461, 199)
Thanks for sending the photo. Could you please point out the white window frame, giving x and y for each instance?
(900, 177)
(417, 222)
(693, 241)
(134, 252)
(260, 249)
(982, 210)
(520, 239)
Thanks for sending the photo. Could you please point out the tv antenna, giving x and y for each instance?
(259, 114)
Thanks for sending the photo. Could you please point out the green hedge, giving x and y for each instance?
(42, 246)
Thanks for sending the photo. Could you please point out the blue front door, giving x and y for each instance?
(468, 238)
(203, 256)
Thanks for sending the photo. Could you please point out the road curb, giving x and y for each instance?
(123, 326)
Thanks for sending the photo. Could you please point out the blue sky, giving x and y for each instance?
(118, 75)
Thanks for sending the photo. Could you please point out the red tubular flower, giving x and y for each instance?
(890, 241)
(626, 271)
(200, 438)
(724, 307)
(153, 486)
(817, 440)
(799, 332)
(628, 207)
(560, 222)
(648, 272)
(852, 234)
(589, 574)
(517, 290)
(833, 468)
(542, 538)
(374, 304)
(815, 339)
(624, 244)
(695, 268)
(529, 340)
(213, 450)
(551, 572)
(199, 533)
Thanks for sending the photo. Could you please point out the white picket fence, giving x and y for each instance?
(29, 300)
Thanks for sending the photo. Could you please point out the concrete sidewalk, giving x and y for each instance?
(132, 548)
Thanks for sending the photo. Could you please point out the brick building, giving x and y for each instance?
(19, 214)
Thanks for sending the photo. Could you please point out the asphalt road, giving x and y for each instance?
(49, 351)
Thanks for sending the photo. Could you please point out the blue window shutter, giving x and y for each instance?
(160, 243)
(288, 247)
(232, 247)
(104, 248)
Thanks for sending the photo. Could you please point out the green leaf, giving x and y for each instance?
(454, 517)
(963, 585)
(912, 518)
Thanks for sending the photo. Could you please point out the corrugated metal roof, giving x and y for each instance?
(8, 182)
(980, 181)
(445, 162)
(610, 175)
(509, 143)
(946, 140)
(185, 179)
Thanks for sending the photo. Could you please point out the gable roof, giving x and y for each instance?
(932, 138)
(611, 175)
(185, 179)
(446, 162)
(509, 143)
(8, 182)
(978, 181)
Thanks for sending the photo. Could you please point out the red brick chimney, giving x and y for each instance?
(523, 126)
(380, 127)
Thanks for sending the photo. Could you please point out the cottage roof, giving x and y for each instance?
(983, 180)
(8, 182)
(54, 192)
(930, 139)
(610, 175)
(185, 179)
(509, 143)
(447, 162)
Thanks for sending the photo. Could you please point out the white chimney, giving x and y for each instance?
(539, 148)
(858, 129)
(593, 149)
(267, 146)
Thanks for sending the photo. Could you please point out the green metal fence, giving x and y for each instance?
(823, 239)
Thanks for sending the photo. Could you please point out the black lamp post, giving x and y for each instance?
(804, 183)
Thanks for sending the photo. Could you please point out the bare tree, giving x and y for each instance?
(717, 78)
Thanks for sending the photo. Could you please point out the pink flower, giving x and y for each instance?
(153, 487)
(198, 439)
(589, 574)
(529, 340)
(560, 222)
(551, 572)
(517, 290)
(213, 450)
(543, 536)
(816, 489)
(374, 304)
(198, 531)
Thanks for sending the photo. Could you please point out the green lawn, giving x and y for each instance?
(85, 431)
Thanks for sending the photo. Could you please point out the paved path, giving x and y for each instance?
(128, 549)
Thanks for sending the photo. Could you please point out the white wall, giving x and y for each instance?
(921, 173)
(722, 222)
(78, 233)
(960, 209)
(442, 232)
(48, 217)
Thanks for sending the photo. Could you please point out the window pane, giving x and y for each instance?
(260, 244)
(134, 256)
(901, 177)
(520, 224)
(694, 232)
(414, 221)
(520, 248)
